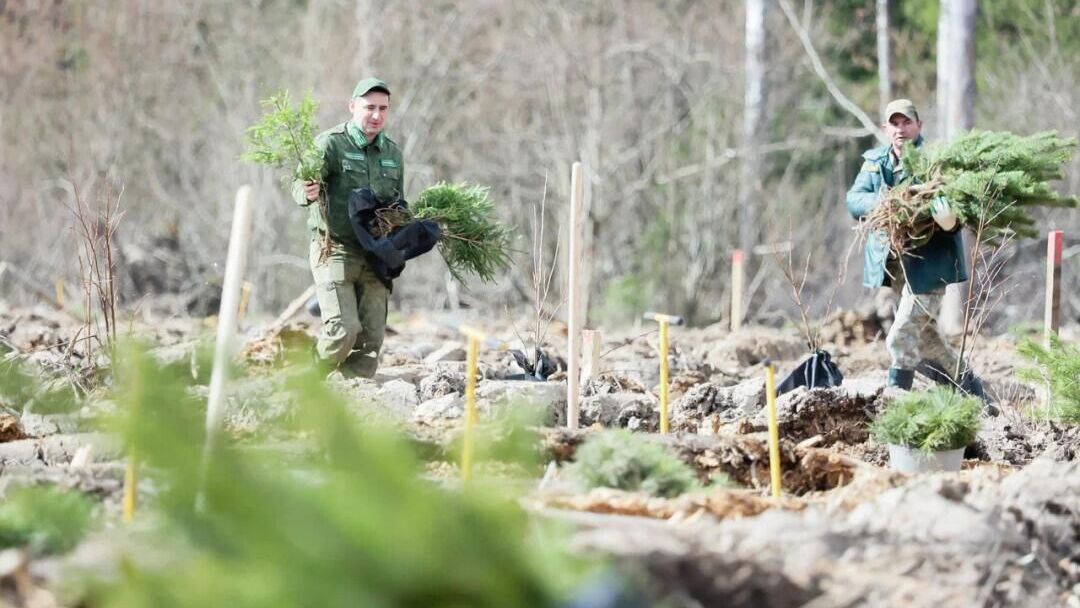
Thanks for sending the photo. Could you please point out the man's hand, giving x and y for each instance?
(311, 190)
(943, 214)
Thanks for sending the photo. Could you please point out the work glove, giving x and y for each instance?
(943, 214)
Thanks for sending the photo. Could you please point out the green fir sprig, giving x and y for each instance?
(285, 137)
(473, 240)
(989, 179)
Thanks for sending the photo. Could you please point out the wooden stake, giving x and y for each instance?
(1052, 317)
(471, 417)
(590, 353)
(573, 290)
(737, 280)
(235, 262)
(245, 296)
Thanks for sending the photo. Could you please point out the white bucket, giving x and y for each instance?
(912, 460)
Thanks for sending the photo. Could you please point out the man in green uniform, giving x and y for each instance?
(921, 275)
(353, 300)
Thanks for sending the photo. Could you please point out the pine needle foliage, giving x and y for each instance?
(989, 179)
(357, 525)
(45, 520)
(473, 240)
(624, 460)
(285, 137)
(1059, 368)
(937, 420)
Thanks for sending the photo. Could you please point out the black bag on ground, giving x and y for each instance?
(544, 366)
(816, 372)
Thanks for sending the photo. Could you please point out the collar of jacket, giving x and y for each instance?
(360, 139)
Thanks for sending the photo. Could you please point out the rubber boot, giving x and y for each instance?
(901, 378)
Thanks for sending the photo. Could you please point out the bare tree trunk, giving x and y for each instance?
(884, 70)
(753, 122)
(956, 109)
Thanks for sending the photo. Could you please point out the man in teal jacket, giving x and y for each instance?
(920, 275)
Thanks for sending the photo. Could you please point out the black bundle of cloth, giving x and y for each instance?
(815, 372)
(388, 254)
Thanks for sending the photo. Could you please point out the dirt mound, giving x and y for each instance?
(612, 382)
(1018, 441)
(847, 327)
(751, 346)
(840, 414)
(707, 405)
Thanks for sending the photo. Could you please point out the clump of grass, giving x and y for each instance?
(934, 421)
(623, 460)
(473, 240)
(1059, 368)
(44, 520)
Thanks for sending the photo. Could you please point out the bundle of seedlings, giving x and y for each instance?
(624, 460)
(1058, 368)
(286, 137)
(989, 180)
(472, 239)
(935, 421)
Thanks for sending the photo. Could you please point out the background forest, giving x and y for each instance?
(147, 103)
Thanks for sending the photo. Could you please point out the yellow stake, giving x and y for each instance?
(663, 320)
(470, 402)
(774, 428)
(131, 481)
(663, 377)
(245, 294)
(60, 291)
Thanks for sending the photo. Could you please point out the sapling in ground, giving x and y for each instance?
(1058, 368)
(624, 460)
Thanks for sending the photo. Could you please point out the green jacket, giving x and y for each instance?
(929, 267)
(350, 161)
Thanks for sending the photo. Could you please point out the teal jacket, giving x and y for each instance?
(930, 267)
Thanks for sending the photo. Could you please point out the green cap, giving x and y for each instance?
(368, 85)
(900, 106)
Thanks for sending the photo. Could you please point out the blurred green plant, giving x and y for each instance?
(625, 298)
(1058, 367)
(937, 420)
(19, 388)
(354, 526)
(45, 520)
(630, 461)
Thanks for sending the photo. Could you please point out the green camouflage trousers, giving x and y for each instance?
(914, 333)
(353, 303)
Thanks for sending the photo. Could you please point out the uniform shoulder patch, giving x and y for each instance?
(355, 155)
(870, 167)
